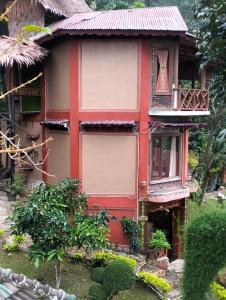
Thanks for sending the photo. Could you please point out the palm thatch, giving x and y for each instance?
(65, 8)
(23, 53)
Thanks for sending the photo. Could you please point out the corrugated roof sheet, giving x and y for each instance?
(154, 19)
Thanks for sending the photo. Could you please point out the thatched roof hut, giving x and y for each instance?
(33, 11)
(22, 53)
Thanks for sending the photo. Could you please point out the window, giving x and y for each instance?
(162, 80)
(165, 158)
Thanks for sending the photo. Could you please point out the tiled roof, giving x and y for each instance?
(159, 124)
(18, 287)
(144, 20)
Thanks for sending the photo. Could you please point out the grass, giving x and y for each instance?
(194, 210)
(75, 277)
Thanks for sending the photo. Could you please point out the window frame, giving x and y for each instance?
(179, 162)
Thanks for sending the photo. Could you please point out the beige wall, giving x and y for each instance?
(58, 77)
(109, 75)
(59, 156)
(109, 164)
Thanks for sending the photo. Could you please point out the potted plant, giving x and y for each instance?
(158, 244)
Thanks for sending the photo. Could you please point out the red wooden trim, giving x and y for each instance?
(144, 117)
(58, 115)
(74, 102)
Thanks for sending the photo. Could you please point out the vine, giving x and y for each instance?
(131, 230)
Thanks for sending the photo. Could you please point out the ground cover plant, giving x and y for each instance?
(205, 253)
(56, 217)
(75, 277)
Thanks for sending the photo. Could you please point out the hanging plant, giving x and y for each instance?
(131, 230)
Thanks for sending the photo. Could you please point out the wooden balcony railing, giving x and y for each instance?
(191, 99)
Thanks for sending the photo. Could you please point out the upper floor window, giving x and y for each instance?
(162, 67)
(165, 156)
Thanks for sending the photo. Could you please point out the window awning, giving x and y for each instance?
(108, 125)
(159, 124)
(63, 124)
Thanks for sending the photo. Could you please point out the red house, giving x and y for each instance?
(118, 91)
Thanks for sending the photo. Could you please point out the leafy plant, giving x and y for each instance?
(118, 276)
(79, 256)
(218, 290)
(55, 217)
(131, 230)
(97, 292)
(158, 241)
(152, 280)
(97, 275)
(104, 258)
(2, 232)
(17, 240)
(204, 247)
(18, 184)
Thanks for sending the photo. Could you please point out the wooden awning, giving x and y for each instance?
(159, 124)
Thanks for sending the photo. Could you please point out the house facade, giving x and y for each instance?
(117, 95)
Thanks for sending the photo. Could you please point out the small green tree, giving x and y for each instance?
(55, 217)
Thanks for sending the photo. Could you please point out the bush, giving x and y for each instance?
(1, 232)
(118, 276)
(14, 246)
(97, 292)
(153, 280)
(205, 253)
(158, 241)
(103, 258)
(97, 275)
(218, 290)
(79, 256)
(130, 261)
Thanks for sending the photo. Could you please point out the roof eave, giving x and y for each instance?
(107, 33)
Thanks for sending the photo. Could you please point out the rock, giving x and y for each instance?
(222, 278)
(177, 266)
(175, 295)
(163, 263)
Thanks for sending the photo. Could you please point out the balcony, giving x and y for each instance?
(182, 102)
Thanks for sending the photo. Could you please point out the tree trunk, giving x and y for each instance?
(58, 273)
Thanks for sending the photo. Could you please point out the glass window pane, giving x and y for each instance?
(156, 157)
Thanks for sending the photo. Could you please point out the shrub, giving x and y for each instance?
(104, 258)
(1, 232)
(97, 275)
(205, 253)
(153, 280)
(158, 241)
(130, 261)
(118, 276)
(97, 292)
(131, 230)
(218, 290)
(79, 256)
(14, 246)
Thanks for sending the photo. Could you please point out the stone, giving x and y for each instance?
(177, 266)
(163, 263)
(175, 295)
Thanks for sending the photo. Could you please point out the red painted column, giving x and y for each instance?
(74, 107)
(144, 117)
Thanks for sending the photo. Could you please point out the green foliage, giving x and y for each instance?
(218, 290)
(79, 256)
(118, 276)
(131, 230)
(192, 160)
(97, 275)
(55, 217)
(104, 258)
(17, 240)
(158, 241)
(18, 185)
(150, 279)
(204, 253)
(34, 28)
(97, 292)
(2, 232)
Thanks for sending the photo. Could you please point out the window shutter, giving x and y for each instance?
(162, 84)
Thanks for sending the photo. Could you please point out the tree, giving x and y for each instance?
(211, 46)
(55, 217)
